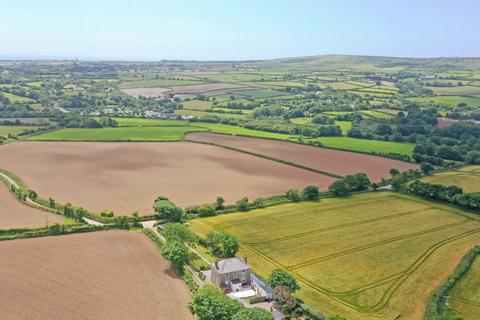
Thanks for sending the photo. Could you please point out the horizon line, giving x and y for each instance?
(93, 59)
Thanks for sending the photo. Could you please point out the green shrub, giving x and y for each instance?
(206, 210)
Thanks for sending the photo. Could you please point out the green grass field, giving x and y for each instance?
(300, 121)
(14, 130)
(197, 113)
(197, 104)
(363, 145)
(456, 91)
(226, 129)
(157, 83)
(261, 94)
(14, 98)
(369, 256)
(140, 122)
(344, 125)
(448, 100)
(468, 178)
(343, 86)
(166, 133)
(376, 114)
(465, 296)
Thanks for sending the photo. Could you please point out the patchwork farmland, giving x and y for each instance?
(101, 275)
(127, 177)
(368, 256)
(332, 161)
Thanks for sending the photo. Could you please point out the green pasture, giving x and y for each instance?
(447, 100)
(166, 133)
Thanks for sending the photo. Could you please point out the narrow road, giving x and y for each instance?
(92, 222)
(10, 180)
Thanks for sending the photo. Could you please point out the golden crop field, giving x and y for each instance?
(368, 256)
(467, 178)
(465, 296)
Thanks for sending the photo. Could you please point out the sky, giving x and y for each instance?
(236, 29)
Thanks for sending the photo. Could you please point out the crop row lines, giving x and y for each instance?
(225, 226)
(386, 296)
(466, 301)
(337, 227)
(376, 244)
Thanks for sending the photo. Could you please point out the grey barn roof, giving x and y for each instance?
(231, 265)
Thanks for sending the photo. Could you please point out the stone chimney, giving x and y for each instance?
(216, 264)
(245, 259)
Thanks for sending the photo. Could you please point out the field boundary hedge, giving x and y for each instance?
(56, 230)
(437, 307)
(270, 158)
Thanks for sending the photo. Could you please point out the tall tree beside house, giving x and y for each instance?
(209, 303)
(180, 233)
(280, 277)
(177, 254)
(223, 244)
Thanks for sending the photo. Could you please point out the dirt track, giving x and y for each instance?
(114, 275)
(14, 214)
(127, 177)
(327, 160)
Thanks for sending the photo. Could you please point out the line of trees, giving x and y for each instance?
(450, 194)
(349, 184)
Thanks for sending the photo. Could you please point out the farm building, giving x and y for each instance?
(261, 289)
(234, 275)
(231, 274)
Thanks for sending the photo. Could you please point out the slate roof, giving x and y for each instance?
(231, 265)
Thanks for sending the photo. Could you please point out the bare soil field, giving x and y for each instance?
(112, 275)
(327, 160)
(147, 92)
(126, 177)
(14, 214)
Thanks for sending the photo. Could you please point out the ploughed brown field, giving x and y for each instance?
(14, 214)
(126, 177)
(108, 275)
(327, 160)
